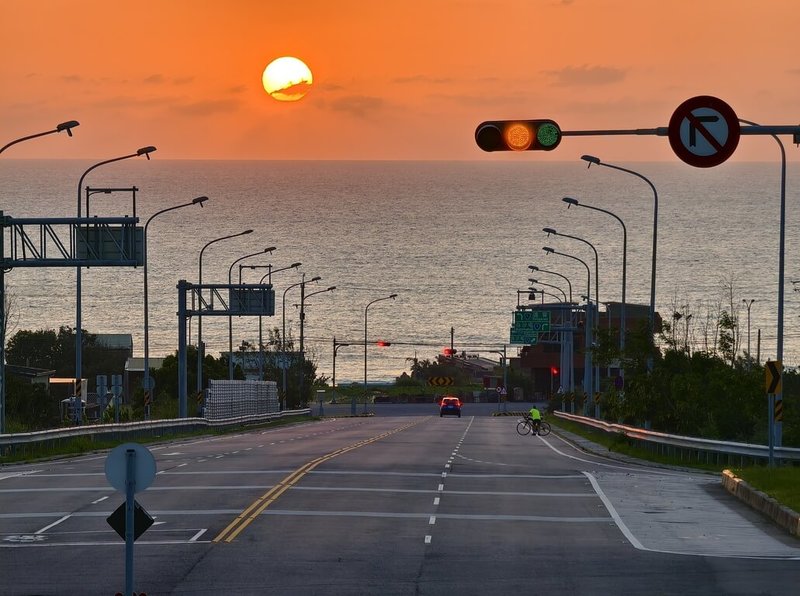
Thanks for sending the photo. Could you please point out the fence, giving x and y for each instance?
(690, 449)
(131, 431)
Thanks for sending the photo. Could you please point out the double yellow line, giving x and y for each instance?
(246, 517)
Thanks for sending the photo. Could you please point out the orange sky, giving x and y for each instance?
(392, 80)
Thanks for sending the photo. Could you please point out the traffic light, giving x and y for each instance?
(554, 370)
(518, 135)
(449, 352)
(383, 344)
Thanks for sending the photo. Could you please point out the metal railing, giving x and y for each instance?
(12, 444)
(689, 449)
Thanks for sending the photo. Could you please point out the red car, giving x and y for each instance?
(450, 405)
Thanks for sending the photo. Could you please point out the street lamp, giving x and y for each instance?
(302, 285)
(336, 346)
(549, 231)
(303, 298)
(366, 308)
(260, 327)
(230, 317)
(748, 303)
(544, 293)
(596, 160)
(536, 281)
(146, 151)
(68, 126)
(569, 284)
(147, 381)
(596, 290)
(570, 201)
(200, 317)
(587, 366)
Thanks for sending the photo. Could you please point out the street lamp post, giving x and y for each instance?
(776, 427)
(366, 308)
(596, 384)
(303, 298)
(260, 327)
(587, 366)
(596, 259)
(336, 346)
(147, 381)
(623, 328)
(67, 126)
(284, 363)
(596, 160)
(536, 281)
(230, 317)
(64, 126)
(545, 293)
(146, 151)
(199, 306)
(569, 284)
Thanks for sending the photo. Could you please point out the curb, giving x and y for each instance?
(786, 518)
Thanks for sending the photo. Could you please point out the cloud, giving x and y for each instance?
(423, 79)
(587, 75)
(360, 106)
(72, 78)
(155, 79)
(206, 108)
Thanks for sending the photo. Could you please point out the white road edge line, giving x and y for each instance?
(614, 515)
(55, 523)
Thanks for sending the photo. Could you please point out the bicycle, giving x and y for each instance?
(525, 426)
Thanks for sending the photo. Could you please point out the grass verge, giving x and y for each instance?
(782, 484)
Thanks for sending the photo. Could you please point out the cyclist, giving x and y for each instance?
(536, 418)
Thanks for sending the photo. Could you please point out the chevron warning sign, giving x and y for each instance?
(440, 381)
(773, 373)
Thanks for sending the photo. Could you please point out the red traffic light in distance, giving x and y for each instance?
(383, 344)
(518, 135)
(554, 370)
(449, 352)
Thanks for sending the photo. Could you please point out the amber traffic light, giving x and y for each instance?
(518, 135)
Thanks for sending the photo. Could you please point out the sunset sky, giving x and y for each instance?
(392, 80)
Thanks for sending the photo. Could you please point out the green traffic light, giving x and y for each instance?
(548, 135)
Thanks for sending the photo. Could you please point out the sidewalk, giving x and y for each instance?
(782, 516)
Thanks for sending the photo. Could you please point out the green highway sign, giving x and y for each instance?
(532, 320)
(523, 336)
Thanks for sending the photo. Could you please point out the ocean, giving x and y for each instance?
(453, 240)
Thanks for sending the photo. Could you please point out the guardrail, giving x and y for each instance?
(689, 448)
(129, 431)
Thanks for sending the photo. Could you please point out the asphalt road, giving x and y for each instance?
(389, 504)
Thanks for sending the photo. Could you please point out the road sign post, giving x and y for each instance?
(774, 387)
(130, 467)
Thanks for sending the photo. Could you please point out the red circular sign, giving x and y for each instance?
(704, 131)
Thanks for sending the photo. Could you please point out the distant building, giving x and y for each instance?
(542, 361)
(31, 375)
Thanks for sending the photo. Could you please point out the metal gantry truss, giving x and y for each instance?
(215, 300)
(63, 242)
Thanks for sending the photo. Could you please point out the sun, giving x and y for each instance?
(287, 79)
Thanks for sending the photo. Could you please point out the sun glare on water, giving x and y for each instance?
(287, 79)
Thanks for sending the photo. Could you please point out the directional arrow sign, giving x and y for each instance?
(773, 374)
(704, 131)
